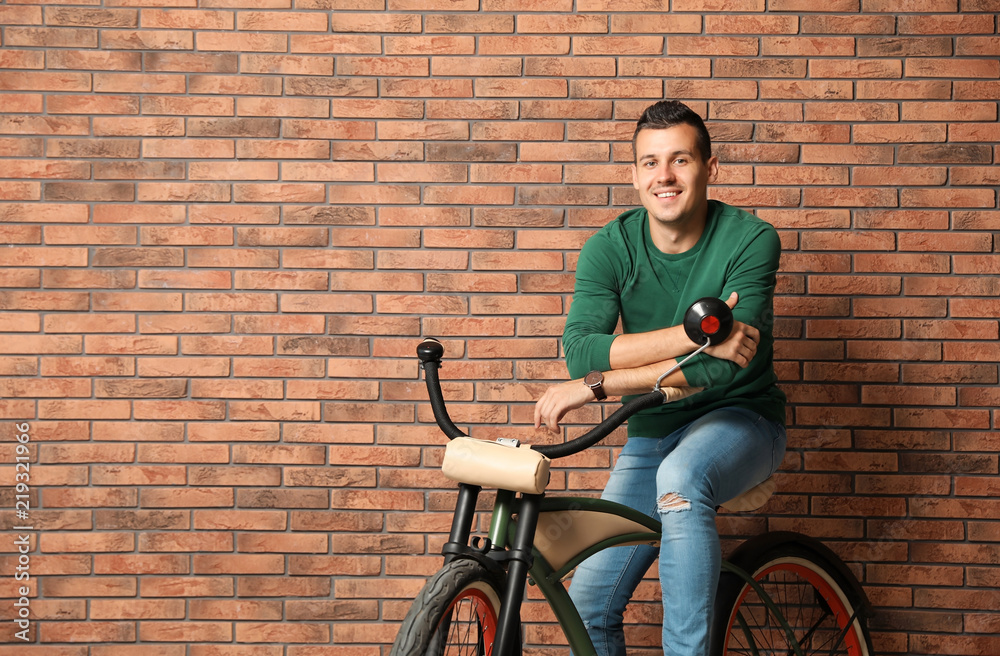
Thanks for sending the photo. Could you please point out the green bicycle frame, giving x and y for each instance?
(548, 579)
(565, 611)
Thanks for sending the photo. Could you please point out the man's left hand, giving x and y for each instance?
(560, 399)
(741, 345)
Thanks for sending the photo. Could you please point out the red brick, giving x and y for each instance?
(858, 285)
(900, 176)
(803, 175)
(924, 46)
(336, 43)
(480, 66)
(40, 344)
(950, 286)
(90, 632)
(834, 24)
(504, 88)
(219, 609)
(562, 195)
(360, 22)
(663, 67)
(472, 109)
(939, 418)
(185, 631)
(186, 586)
(59, 37)
(807, 46)
(879, 350)
(424, 130)
(855, 112)
(976, 45)
(430, 45)
(108, 609)
(524, 45)
(901, 263)
(188, 497)
(857, 68)
(931, 67)
(967, 242)
(791, 132)
(968, 111)
(904, 219)
(854, 241)
(782, 89)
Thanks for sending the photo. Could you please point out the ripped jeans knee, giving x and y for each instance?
(672, 502)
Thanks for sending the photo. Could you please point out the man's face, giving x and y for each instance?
(671, 176)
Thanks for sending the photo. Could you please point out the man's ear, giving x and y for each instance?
(713, 169)
(635, 176)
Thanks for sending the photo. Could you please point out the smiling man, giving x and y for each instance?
(723, 430)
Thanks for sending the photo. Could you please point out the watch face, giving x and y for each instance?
(594, 378)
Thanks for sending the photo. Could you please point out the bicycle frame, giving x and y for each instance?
(549, 578)
(514, 541)
(511, 554)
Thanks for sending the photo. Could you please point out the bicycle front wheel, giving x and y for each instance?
(454, 615)
(801, 587)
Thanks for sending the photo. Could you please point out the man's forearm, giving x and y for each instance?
(639, 380)
(640, 349)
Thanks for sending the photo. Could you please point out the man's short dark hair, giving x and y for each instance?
(668, 113)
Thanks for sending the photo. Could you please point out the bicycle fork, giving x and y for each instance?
(517, 574)
(518, 558)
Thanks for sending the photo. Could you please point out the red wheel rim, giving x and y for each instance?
(482, 609)
(840, 614)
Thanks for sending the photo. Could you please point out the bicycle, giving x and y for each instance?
(779, 593)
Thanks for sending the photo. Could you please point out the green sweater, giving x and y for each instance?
(621, 273)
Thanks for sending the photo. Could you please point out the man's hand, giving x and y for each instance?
(671, 394)
(563, 397)
(560, 399)
(741, 345)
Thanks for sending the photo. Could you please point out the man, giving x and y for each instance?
(702, 448)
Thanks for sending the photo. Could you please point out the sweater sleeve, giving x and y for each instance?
(752, 275)
(594, 312)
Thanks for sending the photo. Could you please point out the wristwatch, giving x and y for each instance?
(595, 381)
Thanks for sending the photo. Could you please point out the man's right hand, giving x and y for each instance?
(741, 345)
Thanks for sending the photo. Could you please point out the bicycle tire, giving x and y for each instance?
(455, 613)
(815, 596)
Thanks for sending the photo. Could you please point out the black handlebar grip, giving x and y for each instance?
(430, 350)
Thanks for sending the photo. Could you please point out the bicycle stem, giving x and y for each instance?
(502, 510)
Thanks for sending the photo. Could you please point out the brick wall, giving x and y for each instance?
(227, 223)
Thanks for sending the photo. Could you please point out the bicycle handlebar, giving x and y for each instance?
(708, 321)
(603, 429)
(430, 352)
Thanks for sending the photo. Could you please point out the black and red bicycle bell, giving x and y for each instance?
(708, 320)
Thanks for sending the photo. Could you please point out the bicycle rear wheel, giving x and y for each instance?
(455, 614)
(801, 585)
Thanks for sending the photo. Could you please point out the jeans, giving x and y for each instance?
(682, 477)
